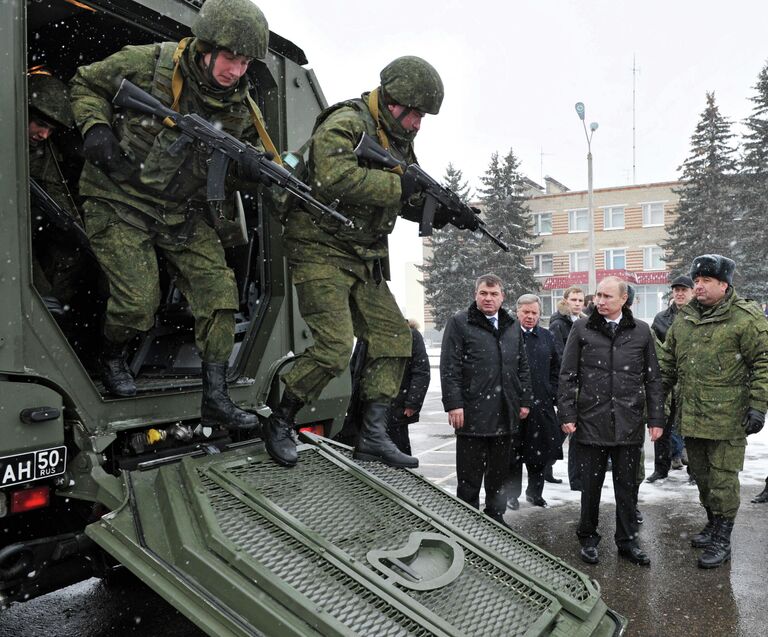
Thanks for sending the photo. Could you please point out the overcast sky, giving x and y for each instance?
(513, 71)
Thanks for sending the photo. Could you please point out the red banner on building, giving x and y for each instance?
(581, 278)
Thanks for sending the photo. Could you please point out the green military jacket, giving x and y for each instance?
(367, 194)
(162, 182)
(719, 358)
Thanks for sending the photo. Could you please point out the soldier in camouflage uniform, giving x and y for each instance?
(339, 272)
(56, 266)
(142, 198)
(717, 350)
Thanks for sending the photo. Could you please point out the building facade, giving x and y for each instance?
(630, 224)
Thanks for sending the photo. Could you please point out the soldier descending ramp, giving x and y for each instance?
(337, 547)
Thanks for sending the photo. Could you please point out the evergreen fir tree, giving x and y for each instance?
(450, 272)
(506, 215)
(705, 221)
(459, 256)
(752, 247)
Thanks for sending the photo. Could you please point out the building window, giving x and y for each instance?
(613, 218)
(653, 214)
(542, 223)
(615, 259)
(542, 264)
(653, 258)
(578, 220)
(579, 261)
(649, 301)
(549, 301)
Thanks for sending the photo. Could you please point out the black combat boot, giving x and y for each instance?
(719, 549)
(373, 442)
(702, 539)
(761, 497)
(115, 374)
(217, 407)
(280, 431)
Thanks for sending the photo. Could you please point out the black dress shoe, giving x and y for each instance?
(639, 517)
(636, 555)
(550, 477)
(513, 503)
(656, 476)
(537, 501)
(589, 554)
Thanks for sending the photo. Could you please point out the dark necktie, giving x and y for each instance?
(492, 319)
(613, 327)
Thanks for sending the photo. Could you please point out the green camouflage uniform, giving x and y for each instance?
(162, 202)
(337, 271)
(718, 357)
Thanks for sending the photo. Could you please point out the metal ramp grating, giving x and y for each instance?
(356, 517)
(301, 568)
(556, 574)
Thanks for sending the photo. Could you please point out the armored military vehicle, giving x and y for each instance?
(89, 482)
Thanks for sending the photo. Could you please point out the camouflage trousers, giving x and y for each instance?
(337, 305)
(716, 464)
(128, 256)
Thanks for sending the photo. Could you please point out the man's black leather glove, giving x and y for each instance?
(101, 148)
(465, 219)
(251, 170)
(409, 183)
(753, 421)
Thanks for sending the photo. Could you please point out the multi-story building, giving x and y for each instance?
(631, 225)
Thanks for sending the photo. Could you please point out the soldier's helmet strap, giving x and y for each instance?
(177, 85)
(373, 106)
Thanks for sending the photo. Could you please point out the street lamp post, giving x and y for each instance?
(592, 274)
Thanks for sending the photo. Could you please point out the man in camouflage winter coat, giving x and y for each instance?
(142, 198)
(717, 351)
(340, 272)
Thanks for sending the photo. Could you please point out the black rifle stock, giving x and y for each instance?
(58, 217)
(436, 195)
(225, 148)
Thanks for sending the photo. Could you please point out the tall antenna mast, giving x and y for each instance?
(634, 145)
(541, 165)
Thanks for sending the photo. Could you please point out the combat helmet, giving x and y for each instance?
(413, 82)
(49, 97)
(236, 25)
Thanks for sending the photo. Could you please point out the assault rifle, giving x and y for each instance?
(436, 196)
(225, 148)
(62, 221)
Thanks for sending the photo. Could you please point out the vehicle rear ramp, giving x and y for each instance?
(243, 546)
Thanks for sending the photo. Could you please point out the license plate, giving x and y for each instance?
(35, 465)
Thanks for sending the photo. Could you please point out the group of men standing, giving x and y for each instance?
(144, 194)
(502, 378)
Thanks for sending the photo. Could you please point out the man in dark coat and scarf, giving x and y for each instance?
(486, 392)
(539, 441)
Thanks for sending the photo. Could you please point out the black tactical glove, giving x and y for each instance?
(753, 421)
(409, 183)
(251, 170)
(465, 219)
(101, 148)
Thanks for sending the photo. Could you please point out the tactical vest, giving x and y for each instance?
(180, 176)
(378, 222)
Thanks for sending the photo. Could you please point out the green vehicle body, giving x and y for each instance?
(238, 544)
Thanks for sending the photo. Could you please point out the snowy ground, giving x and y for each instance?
(434, 444)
